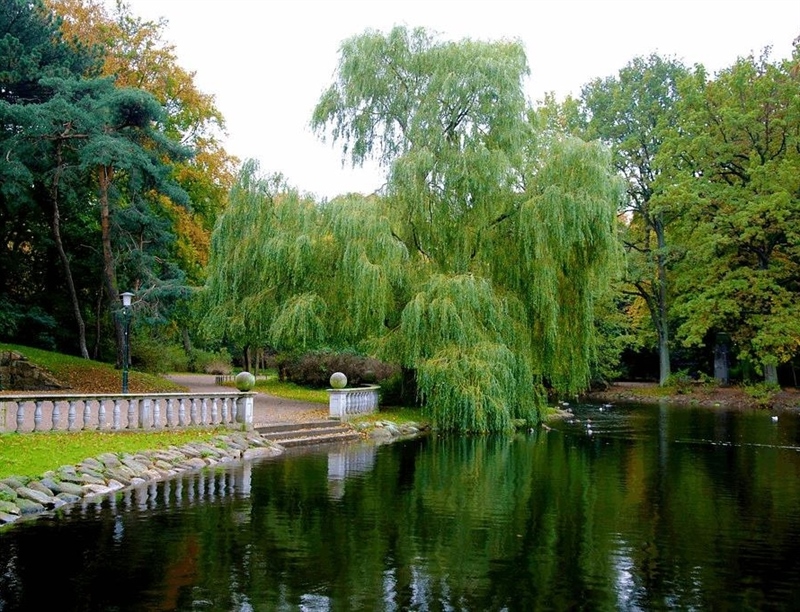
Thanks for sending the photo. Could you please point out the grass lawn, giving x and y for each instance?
(33, 454)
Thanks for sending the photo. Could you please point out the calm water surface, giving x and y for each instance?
(641, 508)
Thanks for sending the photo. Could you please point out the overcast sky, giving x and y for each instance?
(267, 61)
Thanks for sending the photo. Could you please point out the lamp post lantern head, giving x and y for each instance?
(126, 299)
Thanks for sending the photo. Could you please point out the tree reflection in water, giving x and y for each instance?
(658, 508)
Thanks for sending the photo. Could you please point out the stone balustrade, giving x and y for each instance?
(124, 412)
(355, 401)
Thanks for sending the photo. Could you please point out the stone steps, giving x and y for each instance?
(304, 434)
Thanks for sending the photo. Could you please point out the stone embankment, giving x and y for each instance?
(389, 431)
(111, 472)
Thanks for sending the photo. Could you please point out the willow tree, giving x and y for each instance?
(288, 272)
(510, 231)
(477, 268)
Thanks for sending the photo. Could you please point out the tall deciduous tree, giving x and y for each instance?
(479, 266)
(633, 113)
(737, 171)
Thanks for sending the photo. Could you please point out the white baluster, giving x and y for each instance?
(145, 416)
(101, 413)
(56, 416)
(20, 415)
(193, 412)
(182, 412)
(131, 413)
(157, 413)
(87, 413)
(116, 416)
(72, 414)
(214, 411)
(37, 416)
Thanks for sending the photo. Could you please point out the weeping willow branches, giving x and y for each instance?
(479, 266)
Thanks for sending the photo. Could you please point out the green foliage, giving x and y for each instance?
(210, 362)
(634, 112)
(154, 355)
(735, 170)
(90, 185)
(679, 382)
(762, 392)
(479, 267)
(31, 48)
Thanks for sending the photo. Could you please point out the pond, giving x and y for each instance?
(622, 508)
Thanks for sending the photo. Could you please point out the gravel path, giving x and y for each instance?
(267, 409)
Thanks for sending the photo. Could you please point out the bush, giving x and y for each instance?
(152, 355)
(315, 369)
(210, 362)
(763, 392)
(680, 381)
(400, 389)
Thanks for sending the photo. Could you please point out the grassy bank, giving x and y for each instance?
(33, 454)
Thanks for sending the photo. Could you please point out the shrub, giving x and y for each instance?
(152, 355)
(762, 392)
(210, 362)
(680, 381)
(399, 389)
(315, 369)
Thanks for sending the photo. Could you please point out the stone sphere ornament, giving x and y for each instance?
(338, 380)
(245, 381)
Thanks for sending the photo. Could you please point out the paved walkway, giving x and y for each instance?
(267, 409)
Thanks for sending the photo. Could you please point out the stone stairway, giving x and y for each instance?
(291, 435)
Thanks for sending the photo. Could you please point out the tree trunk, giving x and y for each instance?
(663, 321)
(721, 367)
(105, 175)
(187, 341)
(771, 374)
(246, 356)
(55, 226)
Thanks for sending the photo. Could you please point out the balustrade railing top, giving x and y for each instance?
(117, 412)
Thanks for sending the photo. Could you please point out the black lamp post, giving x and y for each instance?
(126, 327)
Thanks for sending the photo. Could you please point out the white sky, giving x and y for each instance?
(268, 61)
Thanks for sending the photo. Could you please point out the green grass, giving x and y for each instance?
(33, 454)
(273, 386)
(397, 415)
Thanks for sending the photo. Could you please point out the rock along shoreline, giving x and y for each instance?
(107, 473)
(111, 472)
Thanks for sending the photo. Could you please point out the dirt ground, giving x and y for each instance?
(729, 397)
